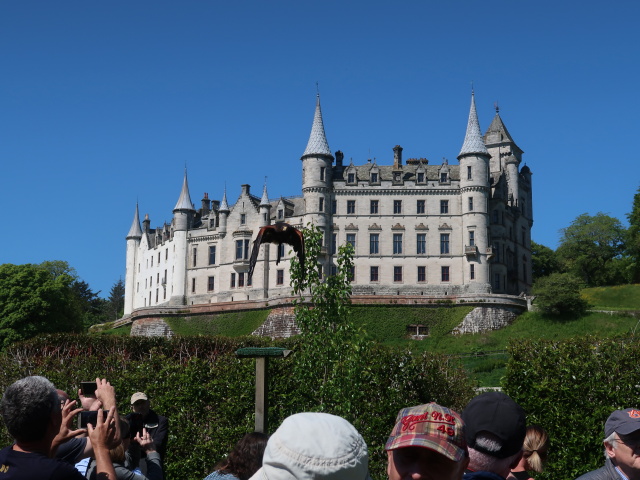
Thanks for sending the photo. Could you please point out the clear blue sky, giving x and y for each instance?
(102, 104)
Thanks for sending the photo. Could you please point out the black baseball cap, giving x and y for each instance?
(623, 422)
(497, 414)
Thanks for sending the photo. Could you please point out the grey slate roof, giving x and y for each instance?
(385, 172)
(184, 201)
(317, 140)
(135, 231)
(265, 198)
(473, 142)
(224, 206)
(498, 133)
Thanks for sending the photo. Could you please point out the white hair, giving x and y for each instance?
(480, 461)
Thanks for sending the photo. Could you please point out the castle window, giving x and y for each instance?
(373, 209)
(280, 277)
(242, 249)
(469, 173)
(421, 244)
(373, 274)
(249, 281)
(524, 234)
(150, 283)
(158, 278)
(422, 274)
(241, 279)
(211, 284)
(334, 243)
(444, 244)
(351, 207)
(322, 170)
(397, 274)
(280, 251)
(166, 254)
(443, 177)
(397, 207)
(496, 281)
(351, 239)
(233, 280)
(280, 214)
(195, 256)
(243, 218)
(158, 258)
(374, 244)
(351, 178)
(264, 217)
(420, 177)
(137, 286)
(334, 206)
(157, 292)
(397, 178)
(471, 204)
(444, 207)
(420, 208)
(444, 274)
(321, 205)
(212, 255)
(351, 274)
(472, 271)
(193, 287)
(152, 261)
(374, 177)
(472, 238)
(397, 243)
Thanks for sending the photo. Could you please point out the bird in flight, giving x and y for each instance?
(278, 233)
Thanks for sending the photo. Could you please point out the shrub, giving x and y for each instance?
(559, 295)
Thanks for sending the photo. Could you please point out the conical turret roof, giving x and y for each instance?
(498, 133)
(317, 140)
(264, 202)
(184, 201)
(473, 143)
(135, 231)
(224, 206)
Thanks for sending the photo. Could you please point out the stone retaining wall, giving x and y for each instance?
(151, 327)
(281, 323)
(484, 319)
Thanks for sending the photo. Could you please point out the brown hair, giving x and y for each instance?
(117, 453)
(536, 444)
(246, 458)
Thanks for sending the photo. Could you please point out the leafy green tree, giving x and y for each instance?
(544, 261)
(590, 245)
(93, 307)
(115, 302)
(559, 295)
(35, 300)
(632, 243)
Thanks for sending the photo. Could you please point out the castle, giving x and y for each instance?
(417, 228)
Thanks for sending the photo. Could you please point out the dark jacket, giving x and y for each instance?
(608, 472)
(481, 476)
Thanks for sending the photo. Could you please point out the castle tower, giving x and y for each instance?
(474, 192)
(317, 174)
(265, 208)
(224, 213)
(133, 242)
(182, 217)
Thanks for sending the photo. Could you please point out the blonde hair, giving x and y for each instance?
(536, 444)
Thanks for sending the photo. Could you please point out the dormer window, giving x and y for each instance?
(374, 177)
(280, 214)
(420, 177)
(243, 218)
(444, 177)
(351, 178)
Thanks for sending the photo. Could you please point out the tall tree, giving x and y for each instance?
(544, 261)
(116, 300)
(34, 300)
(633, 238)
(590, 246)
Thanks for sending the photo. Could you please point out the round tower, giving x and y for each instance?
(182, 217)
(317, 178)
(133, 243)
(265, 208)
(474, 193)
(224, 214)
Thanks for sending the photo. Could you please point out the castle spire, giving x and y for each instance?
(184, 201)
(265, 196)
(473, 143)
(317, 140)
(224, 206)
(135, 231)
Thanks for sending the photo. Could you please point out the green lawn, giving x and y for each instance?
(620, 297)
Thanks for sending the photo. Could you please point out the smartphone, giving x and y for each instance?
(91, 417)
(88, 388)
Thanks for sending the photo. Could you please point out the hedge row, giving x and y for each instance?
(208, 393)
(570, 388)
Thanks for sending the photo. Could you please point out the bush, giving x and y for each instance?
(559, 295)
(570, 388)
(208, 393)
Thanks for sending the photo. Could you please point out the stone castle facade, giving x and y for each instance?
(417, 228)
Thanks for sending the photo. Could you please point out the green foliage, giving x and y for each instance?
(632, 243)
(559, 295)
(228, 324)
(589, 246)
(34, 300)
(620, 297)
(570, 388)
(115, 303)
(208, 393)
(544, 261)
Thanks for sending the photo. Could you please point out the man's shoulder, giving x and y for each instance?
(28, 465)
(604, 473)
(481, 475)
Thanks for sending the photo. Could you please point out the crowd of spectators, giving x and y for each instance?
(488, 440)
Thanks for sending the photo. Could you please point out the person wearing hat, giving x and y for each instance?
(427, 442)
(143, 416)
(495, 430)
(314, 446)
(621, 447)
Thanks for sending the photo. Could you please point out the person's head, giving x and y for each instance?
(31, 409)
(117, 453)
(314, 446)
(140, 403)
(427, 442)
(246, 458)
(495, 431)
(534, 450)
(63, 397)
(622, 441)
